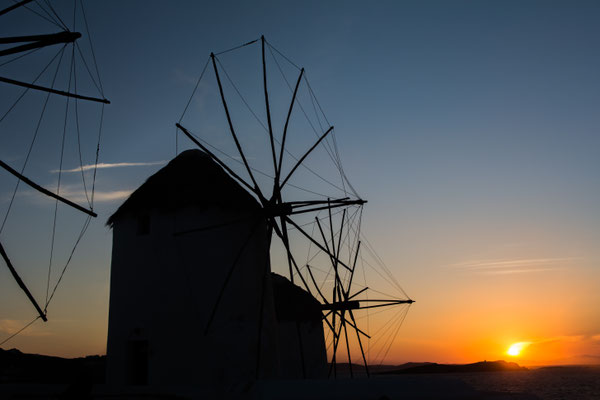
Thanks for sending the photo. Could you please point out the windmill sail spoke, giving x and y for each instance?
(329, 323)
(335, 345)
(330, 206)
(386, 303)
(357, 293)
(37, 41)
(268, 107)
(283, 236)
(45, 191)
(215, 158)
(362, 351)
(353, 269)
(353, 325)
(54, 91)
(232, 130)
(348, 349)
(285, 128)
(15, 6)
(304, 157)
(319, 245)
(312, 277)
(21, 283)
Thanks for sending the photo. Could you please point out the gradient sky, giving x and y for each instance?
(470, 127)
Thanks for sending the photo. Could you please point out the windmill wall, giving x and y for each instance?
(171, 257)
(300, 328)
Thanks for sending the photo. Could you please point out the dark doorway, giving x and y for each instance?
(138, 374)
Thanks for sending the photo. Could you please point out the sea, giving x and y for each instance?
(547, 383)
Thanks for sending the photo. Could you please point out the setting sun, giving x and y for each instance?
(517, 348)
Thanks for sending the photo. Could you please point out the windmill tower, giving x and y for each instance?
(174, 242)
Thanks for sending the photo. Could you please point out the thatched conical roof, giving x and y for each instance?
(190, 179)
(292, 303)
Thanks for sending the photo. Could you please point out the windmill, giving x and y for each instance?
(30, 98)
(340, 303)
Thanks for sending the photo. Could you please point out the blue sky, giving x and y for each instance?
(471, 128)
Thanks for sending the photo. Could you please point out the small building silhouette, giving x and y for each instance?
(192, 295)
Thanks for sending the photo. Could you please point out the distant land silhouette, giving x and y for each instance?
(16, 366)
(434, 368)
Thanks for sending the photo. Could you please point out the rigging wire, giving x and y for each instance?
(89, 36)
(34, 81)
(327, 140)
(237, 47)
(55, 14)
(405, 309)
(62, 151)
(344, 177)
(80, 52)
(195, 89)
(20, 56)
(283, 55)
(371, 250)
(61, 52)
(79, 131)
(319, 251)
(327, 143)
(20, 330)
(252, 168)
(97, 153)
(380, 334)
(81, 234)
(51, 20)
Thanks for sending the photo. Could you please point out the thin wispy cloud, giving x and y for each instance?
(514, 266)
(89, 167)
(12, 326)
(518, 271)
(78, 196)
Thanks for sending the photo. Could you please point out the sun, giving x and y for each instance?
(517, 348)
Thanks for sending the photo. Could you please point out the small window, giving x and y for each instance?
(143, 224)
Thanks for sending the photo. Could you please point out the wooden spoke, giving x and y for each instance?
(312, 277)
(357, 293)
(215, 158)
(348, 349)
(333, 205)
(268, 107)
(287, 120)
(353, 269)
(52, 38)
(21, 283)
(304, 157)
(45, 191)
(362, 351)
(319, 245)
(237, 143)
(291, 261)
(50, 90)
(15, 6)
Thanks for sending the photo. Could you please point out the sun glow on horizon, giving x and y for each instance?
(516, 349)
